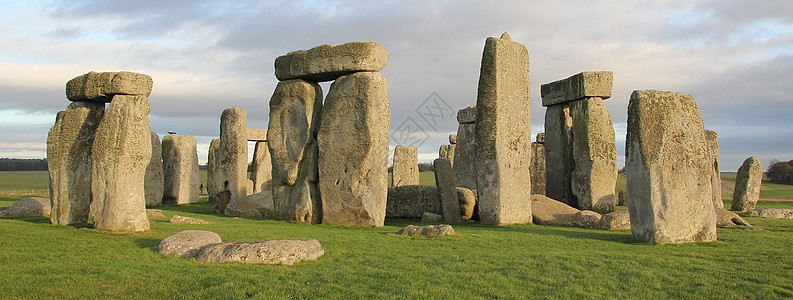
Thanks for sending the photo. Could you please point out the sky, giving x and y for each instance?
(734, 57)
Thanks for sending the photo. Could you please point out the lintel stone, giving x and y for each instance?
(578, 86)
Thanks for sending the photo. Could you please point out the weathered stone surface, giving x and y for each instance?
(188, 243)
(155, 214)
(406, 168)
(747, 185)
(452, 139)
(547, 211)
(428, 217)
(177, 219)
(772, 213)
(537, 169)
(231, 158)
(328, 62)
(262, 171)
(594, 176)
(69, 160)
(252, 206)
(295, 109)
(447, 152)
(180, 169)
(726, 218)
(353, 163)
(101, 87)
(26, 207)
(540, 138)
(411, 201)
(622, 198)
(429, 230)
(713, 147)
(618, 220)
(154, 184)
(256, 134)
(669, 170)
(579, 86)
(465, 156)
(285, 252)
(120, 153)
(467, 115)
(467, 200)
(503, 133)
(559, 161)
(213, 147)
(447, 192)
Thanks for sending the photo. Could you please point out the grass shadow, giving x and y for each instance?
(149, 243)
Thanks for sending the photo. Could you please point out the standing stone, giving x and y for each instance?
(713, 147)
(262, 173)
(447, 192)
(540, 138)
(465, 149)
(537, 169)
(594, 176)
(622, 198)
(747, 185)
(447, 152)
(503, 133)
(121, 152)
(453, 139)
(406, 167)
(180, 169)
(213, 147)
(328, 62)
(559, 162)
(411, 201)
(295, 109)
(669, 170)
(69, 160)
(353, 163)
(231, 158)
(154, 175)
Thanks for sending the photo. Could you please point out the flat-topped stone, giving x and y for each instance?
(256, 134)
(188, 243)
(467, 115)
(578, 86)
(286, 252)
(102, 86)
(429, 230)
(328, 62)
(772, 213)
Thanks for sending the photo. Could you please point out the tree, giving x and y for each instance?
(781, 172)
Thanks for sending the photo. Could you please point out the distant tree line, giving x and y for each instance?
(780, 172)
(17, 164)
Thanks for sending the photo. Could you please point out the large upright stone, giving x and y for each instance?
(537, 169)
(121, 152)
(503, 133)
(101, 87)
(353, 161)
(411, 201)
(747, 185)
(668, 169)
(69, 160)
(295, 109)
(328, 62)
(154, 176)
(180, 169)
(582, 85)
(465, 149)
(447, 192)
(594, 176)
(713, 147)
(262, 172)
(213, 147)
(406, 167)
(447, 152)
(559, 162)
(231, 157)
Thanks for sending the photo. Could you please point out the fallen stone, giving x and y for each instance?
(594, 175)
(713, 147)
(537, 169)
(285, 252)
(155, 181)
(429, 217)
(747, 185)
(188, 243)
(180, 169)
(428, 231)
(155, 214)
(26, 207)
(353, 162)
(503, 133)
(546, 211)
(101, 87)
(405, 166)
(617, 220)
(177, 219)
(579, 86)
(328, 62)
(467, 201)
(669, 170)
(257, 205)
(726, 218)
(447, 192)
(411, 201)
(772, 213)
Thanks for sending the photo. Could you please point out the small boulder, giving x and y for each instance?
(547, 211)
(177, 219)
(431, 230)
(622, 198)
(428, 217)
(26, 207)
(617, 220)
(188, 243)
(726, 218)
(155, 214)
(584, 219)
(772, 213)
(467, 200)
(286, 252)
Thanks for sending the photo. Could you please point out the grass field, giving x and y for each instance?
(40, 260)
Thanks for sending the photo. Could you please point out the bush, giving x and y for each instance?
(781, 172)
